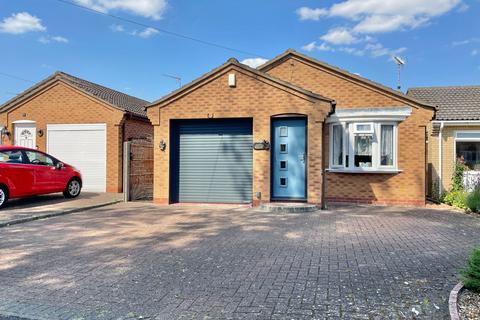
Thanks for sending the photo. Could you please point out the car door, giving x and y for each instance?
(16, 173)
(45, 171)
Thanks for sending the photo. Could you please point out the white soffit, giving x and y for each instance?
(371, 114)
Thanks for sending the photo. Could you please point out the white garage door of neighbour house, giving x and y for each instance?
(83, 146)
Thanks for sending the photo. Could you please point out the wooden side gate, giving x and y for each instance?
(138, 170)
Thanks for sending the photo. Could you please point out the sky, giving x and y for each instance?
(438, 39)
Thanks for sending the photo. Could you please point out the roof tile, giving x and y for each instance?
(454, 103)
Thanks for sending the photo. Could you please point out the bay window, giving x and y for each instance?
(365, 139)
(372, 146)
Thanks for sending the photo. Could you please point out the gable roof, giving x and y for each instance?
(116, 99)
(454, 103)
(234, 62)
(292, 53)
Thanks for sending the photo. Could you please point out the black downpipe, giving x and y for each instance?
(324, 156)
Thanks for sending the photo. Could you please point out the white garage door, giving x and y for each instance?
(84, 147)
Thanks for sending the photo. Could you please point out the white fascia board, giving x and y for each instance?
(371, 114)
(23, 121)
(457, 122)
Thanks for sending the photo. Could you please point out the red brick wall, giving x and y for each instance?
(407, 187)
(253, 97)
(138, 129)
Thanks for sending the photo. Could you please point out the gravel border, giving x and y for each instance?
(453, 301)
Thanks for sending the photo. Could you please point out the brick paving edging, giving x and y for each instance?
(453, 300)
(56, 213)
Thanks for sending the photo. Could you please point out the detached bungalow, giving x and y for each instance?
(79, 122)
(454, 134)
(295, 129)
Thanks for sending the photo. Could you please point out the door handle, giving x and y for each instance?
(301, 157)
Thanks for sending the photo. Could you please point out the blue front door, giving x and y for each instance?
(289, 156)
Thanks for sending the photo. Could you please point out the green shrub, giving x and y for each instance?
(457, 178)
(470, 275)
(434, 193)
(456, 199)
(472, 201)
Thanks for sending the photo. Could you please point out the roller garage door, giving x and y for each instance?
(212, 161)
(83, 146)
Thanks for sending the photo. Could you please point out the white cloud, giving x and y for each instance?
(153, 9)
(49, 39)
(254, 62)
(339, 36)
(306, 13)
(324, 47)
(117, 28)
(353, 51)
(364, 18)
(475, 52)
(313, 46)
(377, 16)
(378, 50)
(465, 42)
(21, 22)
(382, 24)
(60, 39)
(147, 33)
(463, 7)
(373, 49)
(310, 47)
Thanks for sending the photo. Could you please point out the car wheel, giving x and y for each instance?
(73, 189)
(3, 196)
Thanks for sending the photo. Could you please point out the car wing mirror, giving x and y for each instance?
(60, 165)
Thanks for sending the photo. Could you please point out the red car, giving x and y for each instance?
(27, 172)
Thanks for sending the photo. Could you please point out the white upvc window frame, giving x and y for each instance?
(394, 165)
(357, 124)
(332, 164)
(468, 139)
(464, 139)
(349, 133)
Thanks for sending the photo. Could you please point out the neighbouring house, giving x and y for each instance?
(454, 134)
(79, 122)
(318, 132)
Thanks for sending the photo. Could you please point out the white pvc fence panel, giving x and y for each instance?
(471, 179)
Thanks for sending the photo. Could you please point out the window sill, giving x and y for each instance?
(386, 171)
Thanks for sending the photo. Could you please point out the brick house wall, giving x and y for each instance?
(60, 103)
(406, 187)
(138, 129)
(448, 156)
(253, 97)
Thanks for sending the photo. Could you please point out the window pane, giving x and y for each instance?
(469, 152)
(363, 151)
(13, 156)
(468, 135)
(364, 127)
(337, 147)
(347, 144)
(386, 145)
(39, 158)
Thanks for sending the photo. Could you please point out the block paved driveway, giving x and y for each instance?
(141, 261)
